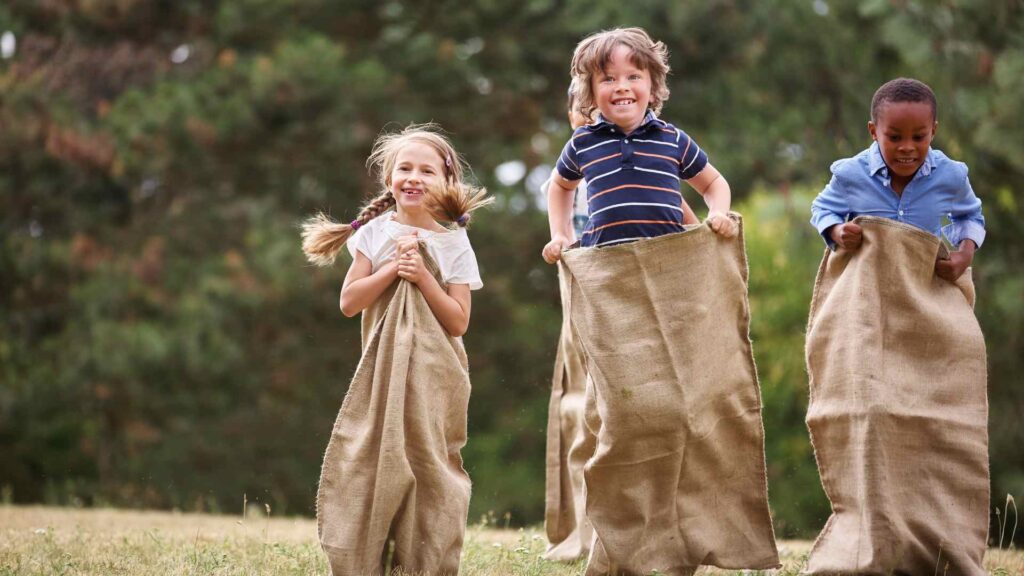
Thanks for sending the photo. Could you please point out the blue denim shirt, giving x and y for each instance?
(860, 187)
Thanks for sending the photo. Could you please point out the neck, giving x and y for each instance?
(419, 219)
(634, 126)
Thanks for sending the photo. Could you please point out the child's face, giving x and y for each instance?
(417, 165)
(904, 132)
(622, 91)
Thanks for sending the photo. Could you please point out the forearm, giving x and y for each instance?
(559, 209)
(718, 195)
(356, 296)
(448, 311)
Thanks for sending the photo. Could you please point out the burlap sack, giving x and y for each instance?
(569, 446)
(898, 409)
(678, 476)
(392, 484)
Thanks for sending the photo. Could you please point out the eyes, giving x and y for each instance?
(898, 137)
(403, 168)
(634, 77)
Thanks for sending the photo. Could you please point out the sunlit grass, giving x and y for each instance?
(65, 541)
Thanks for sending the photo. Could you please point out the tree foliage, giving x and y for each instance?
(163, 343)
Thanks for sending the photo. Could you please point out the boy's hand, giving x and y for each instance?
(846, 235)
(722, 225)
(957, 264)
(553, 250)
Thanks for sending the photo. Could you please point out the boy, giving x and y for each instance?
(632, 161)
(900, 177)
(896, 362)
(674, 475)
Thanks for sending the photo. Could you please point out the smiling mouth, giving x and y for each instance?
(624, 102)
(412, 191)
(906, 161)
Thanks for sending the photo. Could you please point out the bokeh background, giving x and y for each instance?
(163, 343)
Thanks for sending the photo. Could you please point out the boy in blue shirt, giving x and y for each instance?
(902, 178)
(633, 162)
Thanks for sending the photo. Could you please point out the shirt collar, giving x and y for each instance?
(602, 122)
(876, 163)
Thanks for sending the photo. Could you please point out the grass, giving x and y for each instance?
(66, 541)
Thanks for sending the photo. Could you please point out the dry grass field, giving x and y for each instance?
(37, 541)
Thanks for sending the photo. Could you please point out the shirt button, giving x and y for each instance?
(901, 212)
(626, 140)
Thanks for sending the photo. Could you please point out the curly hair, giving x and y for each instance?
(594, 52)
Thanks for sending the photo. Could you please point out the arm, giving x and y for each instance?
(362, 286)
(560, 192)
(451, 308)
(966, 231)
(710, 184)
(828, 216)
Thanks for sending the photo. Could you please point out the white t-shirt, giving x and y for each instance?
(378, 238)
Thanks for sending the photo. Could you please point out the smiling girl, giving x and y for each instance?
(393, 492)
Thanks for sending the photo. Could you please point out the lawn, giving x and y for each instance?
(63, 541)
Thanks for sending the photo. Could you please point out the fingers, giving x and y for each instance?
(552, 252)
(723, 225)
(409, 265)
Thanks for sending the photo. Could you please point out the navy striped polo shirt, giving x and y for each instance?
(633, 181)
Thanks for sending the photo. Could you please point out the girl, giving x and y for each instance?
(393, 491)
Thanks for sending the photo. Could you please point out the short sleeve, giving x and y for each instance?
(568, 163)
(364, 240)
(692, 159)
(463, 268)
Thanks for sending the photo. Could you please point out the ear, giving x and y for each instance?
(935, 127)
(871, 130)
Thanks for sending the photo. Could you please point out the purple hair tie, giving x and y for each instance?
(463, 220)
(355, 224)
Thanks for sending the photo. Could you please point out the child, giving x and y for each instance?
(675, 474)
(568, 445)
(902, 178)
(393, 491)
(632, 161)
(898, 412)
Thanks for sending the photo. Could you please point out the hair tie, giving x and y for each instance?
(355, 224)
(448, 160)
(463, 220)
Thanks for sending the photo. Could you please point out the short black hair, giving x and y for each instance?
(903, 90)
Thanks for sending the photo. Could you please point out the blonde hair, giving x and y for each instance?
(594, 52)
(450, 201)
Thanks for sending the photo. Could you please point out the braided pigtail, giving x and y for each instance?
(322, 237)
(454, 202)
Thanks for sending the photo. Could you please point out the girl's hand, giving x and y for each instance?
(410, 266)
(553, 250)
(406, 243)
(722, 225)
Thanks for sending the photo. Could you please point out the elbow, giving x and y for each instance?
(458, 328)
(348, 308)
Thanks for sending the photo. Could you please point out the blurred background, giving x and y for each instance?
(164, 344)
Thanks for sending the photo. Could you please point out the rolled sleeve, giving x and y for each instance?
(965, 217)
